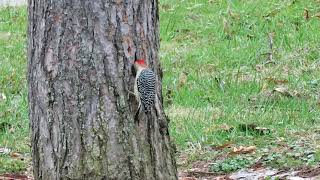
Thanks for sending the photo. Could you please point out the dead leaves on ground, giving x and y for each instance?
(201, 169)
(223, 146)
(12, 154)
(258, 161)
(15, 155)
(235, 150)
(274, 88)
(317, 15)
(308, 173)
(243, 150)
(278, 9)
(15, 177)
(280, 79)
(169, 97)
(307, 15)
(225, 127)
(279, 91)
(222, 128)
(188, 178)
(276, 80)
(283, 91)
(261, 173)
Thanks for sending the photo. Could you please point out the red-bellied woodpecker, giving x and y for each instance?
(145, 85)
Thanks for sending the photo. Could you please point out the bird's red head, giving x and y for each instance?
(140, 62)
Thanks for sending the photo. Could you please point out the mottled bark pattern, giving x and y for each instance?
(80, 56)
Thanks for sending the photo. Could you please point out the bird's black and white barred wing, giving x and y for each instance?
(146, 84)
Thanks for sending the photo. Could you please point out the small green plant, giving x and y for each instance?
(231, 164)
(9, 164)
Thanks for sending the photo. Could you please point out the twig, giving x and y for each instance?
(271, 46)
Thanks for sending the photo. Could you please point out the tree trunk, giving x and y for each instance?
(82, 116)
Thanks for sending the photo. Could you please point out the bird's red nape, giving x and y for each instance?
(140, 62)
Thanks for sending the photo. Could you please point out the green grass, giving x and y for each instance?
(223, 48)
(214, 54)
(14, 128)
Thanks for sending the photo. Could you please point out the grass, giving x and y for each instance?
(218, 82)
(14, 126)
(218, 75)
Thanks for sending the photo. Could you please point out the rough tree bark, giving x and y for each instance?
(80, 55)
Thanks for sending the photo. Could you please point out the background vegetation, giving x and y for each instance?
(241, 83)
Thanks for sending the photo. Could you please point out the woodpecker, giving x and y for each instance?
(145, 85)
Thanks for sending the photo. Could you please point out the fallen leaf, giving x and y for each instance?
(226, 145)
(169, 99)
(182, 79)
(317, 15)
(283, 90)
(306, 14)
(223, 177)
(217, 113)
(309, 172)
(182, 160)
(187, 178)
(226, 26)
(234, 15)
(14, 177)
(245, 77)
(271, 13)
(276, 81)
(15, 154)
(295, 93)
(264, 86)
(11, 130)
(259, 67)
(243, 150)
(193, 17)
(258, 165)
(225, 127)
(165, 7)
(196, 172)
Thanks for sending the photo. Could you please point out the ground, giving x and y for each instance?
(241, 86)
